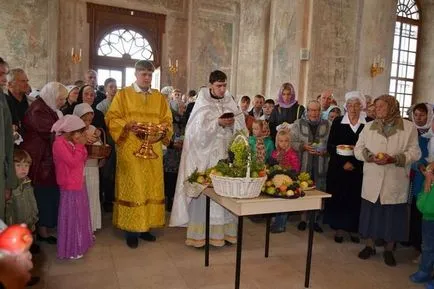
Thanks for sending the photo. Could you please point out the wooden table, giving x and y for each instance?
(311, 202)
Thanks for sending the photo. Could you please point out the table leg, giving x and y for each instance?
(267, 236)
(309, 249)
(239, 248)
(207, 232)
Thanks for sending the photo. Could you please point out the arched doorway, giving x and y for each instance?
(119, 37)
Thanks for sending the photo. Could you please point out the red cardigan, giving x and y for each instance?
(38, 140)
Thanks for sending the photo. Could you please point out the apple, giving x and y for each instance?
(304, 185)
(262, 173)
(268, 183)
(200, 179)
(283, 188)
(290, 193)
(254, 175)
(271, 190)
(380, 156)
(16, 239)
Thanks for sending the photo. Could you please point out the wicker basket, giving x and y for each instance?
(240, 188)
(99, 151)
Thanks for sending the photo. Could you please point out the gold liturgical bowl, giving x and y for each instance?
(149, 133)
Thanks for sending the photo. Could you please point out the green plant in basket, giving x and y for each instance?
(305, 180)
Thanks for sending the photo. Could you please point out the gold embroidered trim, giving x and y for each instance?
(138, 204)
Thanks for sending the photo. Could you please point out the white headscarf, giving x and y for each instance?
(81, 109)
(355, 95)
(49, 94)
(70, 88)
(429, 118)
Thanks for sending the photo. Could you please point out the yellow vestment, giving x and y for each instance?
(139, 203)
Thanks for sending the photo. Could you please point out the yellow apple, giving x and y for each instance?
(290, 193)
(200, 179)
(380, 156)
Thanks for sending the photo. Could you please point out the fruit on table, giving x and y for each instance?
(290, 193)
(304, 185)
(268, 183)
(380, 156)
(283, 188)
(200, 179)
(15, 239)
(271, 190)
(262, 173)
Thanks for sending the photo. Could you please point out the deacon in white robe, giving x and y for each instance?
(206, 142)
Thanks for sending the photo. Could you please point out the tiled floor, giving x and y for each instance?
(169, 264)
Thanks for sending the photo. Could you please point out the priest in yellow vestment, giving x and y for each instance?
(139, 202)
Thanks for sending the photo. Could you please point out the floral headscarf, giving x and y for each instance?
(292, 99)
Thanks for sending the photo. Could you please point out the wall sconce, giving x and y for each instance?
(173, 69)
(377, 66)
(75, 57)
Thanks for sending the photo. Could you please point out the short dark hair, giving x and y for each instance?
(21, 155)
(260, 96)
(144, 65)
(245, 98)
(318, 96)
(192, 93)
(270, 101)
(109, 80)
(420, 107)
(217, 75)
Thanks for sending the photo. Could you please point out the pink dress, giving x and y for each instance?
(74, 231)
(288, 158)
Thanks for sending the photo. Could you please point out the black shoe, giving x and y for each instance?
(389, 259)
(148, 237)
(366, 253)
(35, 249)
(380, 243)
(339, 239)
(355, 239)
(33, 281)
(132, 242)
(317, 228)
(50, 239)
(302, 226)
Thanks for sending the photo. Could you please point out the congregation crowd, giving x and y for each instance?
(382, 193)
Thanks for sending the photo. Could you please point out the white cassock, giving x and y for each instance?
(205, 143)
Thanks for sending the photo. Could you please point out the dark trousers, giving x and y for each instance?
(169, 188)
(415, 237)
(427, 261)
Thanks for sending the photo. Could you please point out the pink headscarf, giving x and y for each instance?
(292, 99)
(67, 123)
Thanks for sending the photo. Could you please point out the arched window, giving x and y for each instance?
(127, 46)
(403, 67)
(124, 43)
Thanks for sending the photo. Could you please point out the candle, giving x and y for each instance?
(72, 51)
(170, 62)
(80, 52)
(176, 63)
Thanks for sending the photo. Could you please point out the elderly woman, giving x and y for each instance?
(287, 108)
(71, 100)
(306, 132)
(87, 95)
(421, 115)
(387, 146)
(37, 123)
(345, 172)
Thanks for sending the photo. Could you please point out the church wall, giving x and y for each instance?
(24, 30)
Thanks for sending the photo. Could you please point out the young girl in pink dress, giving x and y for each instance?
(74, 231)
(284, 155)
(287, 158)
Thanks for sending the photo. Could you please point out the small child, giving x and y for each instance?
(261, 145)
(86, 113)
(21, 205)
(286, 157)
(267, 109)
(425, 204)
(74, 231)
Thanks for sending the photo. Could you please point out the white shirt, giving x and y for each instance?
(346, 120)
(139, 90)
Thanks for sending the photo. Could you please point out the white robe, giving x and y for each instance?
(204, 145)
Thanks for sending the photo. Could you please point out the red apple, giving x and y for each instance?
(16, 239)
